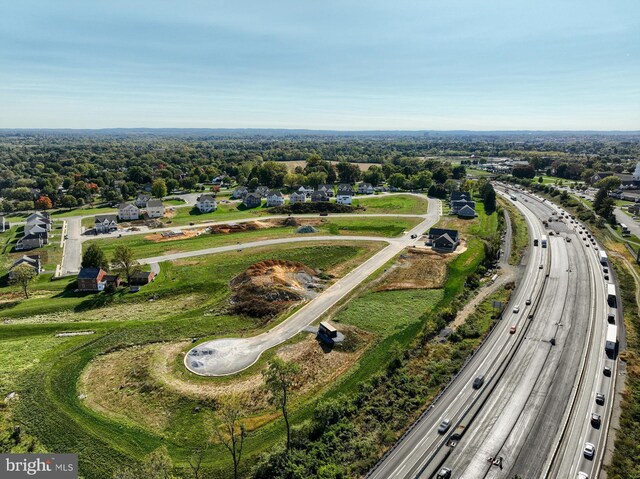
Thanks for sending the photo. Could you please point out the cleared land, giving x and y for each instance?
(150, 245)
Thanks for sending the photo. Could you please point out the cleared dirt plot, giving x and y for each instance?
(137, 384)
(268, 288)
(416, 269)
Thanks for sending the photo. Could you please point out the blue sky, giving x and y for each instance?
(369, 64)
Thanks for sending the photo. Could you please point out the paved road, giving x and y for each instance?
(419, 450)
(72, 246)
(524, 401)
(222, 357)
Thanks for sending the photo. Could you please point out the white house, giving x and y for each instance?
(128, 212)
(297, 198)
(262, 191)
(240, 192)
(344, 198)
(365, 189)
(142, 199)
(206, 203)
(305, 190)
(105, 223)
(275, 198)
(154, 209)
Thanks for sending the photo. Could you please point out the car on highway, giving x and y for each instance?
(582, 475)
(587, 245)
(607, 371)
(589, 450)
(540, 267)
(444, 473)
(606, 277)
(444, 426)
(414, 236)
(605, 269)
(516, 309)
(528, 301)
(599, 399)
(595, 420)
(478, 382)
(513, 329)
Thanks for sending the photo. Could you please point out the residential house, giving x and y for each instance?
(634, 209)
(275, 198)
(218, 180)
(297, 197)
(105, 223)
(459, 204)
(445, 244)
(443, 239)
(365, 189)
(30, 242)
(344, 188)
(33, 261)
(154, 209)
(142, 199)
(305, 190)
(91, 279)
(35, 228)
(460, 195)
(319, 196)
(40, 218)
(466, 212)
(344, 197)
(262, 191)
(128, 212)
(327, 188)
(140, 278)
(4, 224)
(239, 192)
(206, 203)
(252, 200)
(112, 281)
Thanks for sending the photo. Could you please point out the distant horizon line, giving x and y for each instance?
(308, 130)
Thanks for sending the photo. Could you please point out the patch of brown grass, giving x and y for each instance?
(417, 269)
(138, 384)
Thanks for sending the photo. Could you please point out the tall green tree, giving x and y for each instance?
(94, 257)
(124, 261)
(22, 275)
(279, 378)
(159, 188)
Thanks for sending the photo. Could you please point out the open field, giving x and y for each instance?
(392, 204)
(150, 245)
(143, 401)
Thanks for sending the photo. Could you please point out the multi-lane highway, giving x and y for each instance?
(542, 367)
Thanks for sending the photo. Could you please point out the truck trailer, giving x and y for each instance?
(611, 341)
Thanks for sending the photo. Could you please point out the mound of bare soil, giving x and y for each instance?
(267, 288)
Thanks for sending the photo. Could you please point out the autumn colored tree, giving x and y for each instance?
(43, 203)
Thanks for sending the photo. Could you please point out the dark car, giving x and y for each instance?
(595, 420)
(607, 371)
(478, 382)
(599, 399)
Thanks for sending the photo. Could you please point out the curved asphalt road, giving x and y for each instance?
(221, 357)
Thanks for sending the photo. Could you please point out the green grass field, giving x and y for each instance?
(50, 409)
(143, 248)
(396, 204)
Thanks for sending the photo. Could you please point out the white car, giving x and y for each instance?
(516, 309)
(583, 475)
(589, 450)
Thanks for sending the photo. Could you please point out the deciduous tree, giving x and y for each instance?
(279, 378)
(124, 261)
(22, 275)
(230, 429)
